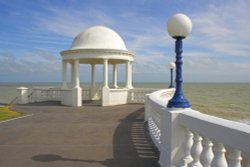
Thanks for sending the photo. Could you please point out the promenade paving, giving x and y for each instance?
(91, 136)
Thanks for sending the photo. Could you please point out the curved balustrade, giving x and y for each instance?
(137, 95)
(188, 138)
(153, 112)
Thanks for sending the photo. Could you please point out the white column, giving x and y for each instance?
(92, 75)
(64, 74)
(115, 76)
(129, 75)
(105, 73)
(72, 74)
(76, 75)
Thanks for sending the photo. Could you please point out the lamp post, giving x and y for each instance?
(179, 26)
(171, 67)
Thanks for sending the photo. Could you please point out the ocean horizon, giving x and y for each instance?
(226, 100)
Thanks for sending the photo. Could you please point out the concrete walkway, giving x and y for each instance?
(90, 136)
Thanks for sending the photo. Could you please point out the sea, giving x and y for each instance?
(225, 100)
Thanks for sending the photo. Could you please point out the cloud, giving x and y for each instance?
(35, 62)
(217, 46)
(203, 67)
(219, 31)
(144, 37)
(223, 29)
(218, 49)
(69, 23)
(138, 35)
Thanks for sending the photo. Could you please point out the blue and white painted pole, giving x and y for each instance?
(179, 26)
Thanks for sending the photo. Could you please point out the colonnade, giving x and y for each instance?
(75, 81)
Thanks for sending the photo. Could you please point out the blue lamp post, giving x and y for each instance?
(171, 67)
(179, 26)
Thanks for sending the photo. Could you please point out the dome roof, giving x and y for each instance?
(98, 37)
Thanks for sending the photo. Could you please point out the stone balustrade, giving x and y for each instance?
(39, 94)
(153, 113)
(188, 138)
(44, 94)
(86, 93)
(137, 95)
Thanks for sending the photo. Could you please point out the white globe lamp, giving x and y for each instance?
(171, 67)
(179, 25)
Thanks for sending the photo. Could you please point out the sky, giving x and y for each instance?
(32, 34)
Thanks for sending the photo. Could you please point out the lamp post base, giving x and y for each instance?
(180, 102)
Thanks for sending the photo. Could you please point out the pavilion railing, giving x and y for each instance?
(39, 94)
(186, 137)
(89, 93)
(86, 93)
(137, 95)
(44, 94)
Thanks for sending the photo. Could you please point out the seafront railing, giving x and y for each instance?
(137, 95)
(39, 94)
(186, 137)
(44, 94)
(153, 113)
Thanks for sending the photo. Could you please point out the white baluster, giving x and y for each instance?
(187, 149)
(234, 158)
(207, 152)
(196, 151)
(219, 156)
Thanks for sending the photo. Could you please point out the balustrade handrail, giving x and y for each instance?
(137, 95)
(162, 96)
(154, 107)
(230, 133)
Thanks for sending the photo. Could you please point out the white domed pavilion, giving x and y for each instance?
(96, 45)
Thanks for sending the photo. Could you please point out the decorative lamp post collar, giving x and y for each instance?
(179, 26)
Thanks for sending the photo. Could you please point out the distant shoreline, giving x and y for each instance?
(6, 83)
